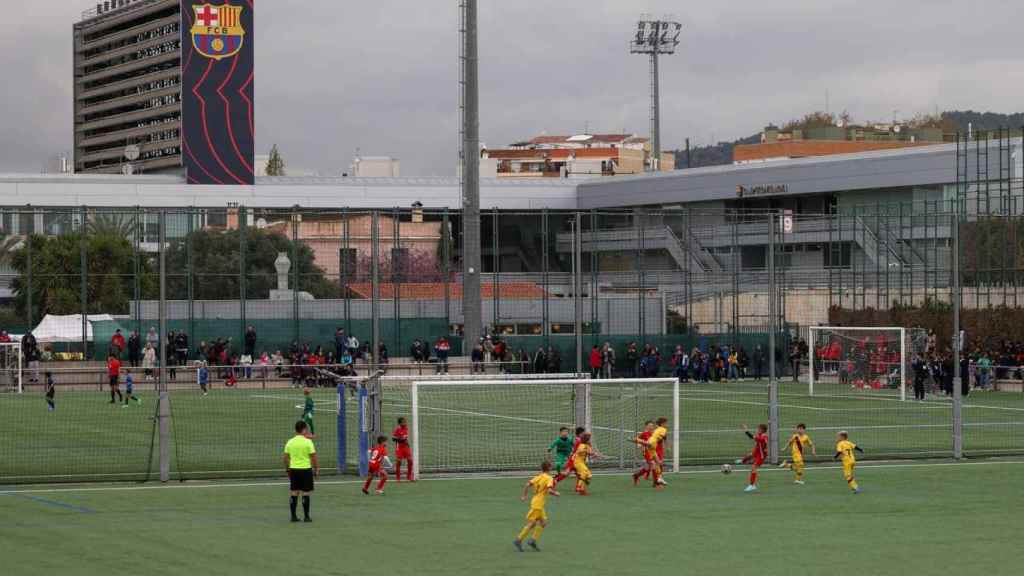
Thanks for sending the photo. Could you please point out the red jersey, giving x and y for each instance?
(377, 456)
(644, 437)
(760, 446)
(401, 436)
(113, 367)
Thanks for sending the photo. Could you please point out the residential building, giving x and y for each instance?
(577, 156)
(127, 94)
(777, 144)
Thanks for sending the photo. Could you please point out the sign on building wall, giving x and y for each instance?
(218, 140)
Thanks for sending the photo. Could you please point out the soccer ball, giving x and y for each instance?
(726, 468)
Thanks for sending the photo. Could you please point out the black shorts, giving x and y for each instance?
(113, 381)
(301, 480)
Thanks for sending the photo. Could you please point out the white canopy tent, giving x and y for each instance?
(67, 329)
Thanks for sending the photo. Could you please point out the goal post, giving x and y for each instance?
(865, 357)
(11, 372)
(506, 425)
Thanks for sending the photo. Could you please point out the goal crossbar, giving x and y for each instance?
(582, 388)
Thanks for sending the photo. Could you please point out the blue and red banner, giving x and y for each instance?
(218, 66)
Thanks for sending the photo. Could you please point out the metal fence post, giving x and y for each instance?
(164, 412)
(84, 282)
(773, 382)
(375, 276)
(958, 423)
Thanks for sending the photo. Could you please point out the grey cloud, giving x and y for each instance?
(382, 76)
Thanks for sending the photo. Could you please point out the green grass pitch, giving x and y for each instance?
(920, 518)
(239, 432)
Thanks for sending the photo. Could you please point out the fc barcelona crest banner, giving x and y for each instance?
(217, 73)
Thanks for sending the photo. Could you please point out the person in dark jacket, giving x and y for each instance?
(134, 349)
(554, 360)
(250, 340)
(540, 361)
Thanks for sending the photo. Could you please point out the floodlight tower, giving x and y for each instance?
(472, 304)
(654, 38)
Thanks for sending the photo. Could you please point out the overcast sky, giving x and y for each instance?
(381, 76)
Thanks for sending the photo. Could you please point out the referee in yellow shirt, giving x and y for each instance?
(301, 465)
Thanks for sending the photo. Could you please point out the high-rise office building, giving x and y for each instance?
(127, 89)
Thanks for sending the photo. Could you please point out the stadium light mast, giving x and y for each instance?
(654, 38)
(472, 306)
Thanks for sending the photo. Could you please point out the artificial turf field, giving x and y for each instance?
(239, 432)
(930, 518)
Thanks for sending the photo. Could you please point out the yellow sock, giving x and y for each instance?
(523, 532)
(798, 469)
(537, 531)
(853, 485)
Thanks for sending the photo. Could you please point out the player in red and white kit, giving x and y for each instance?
(758, 456)
(564, 473)
(400, 436)
(379, 464)
(641, 440)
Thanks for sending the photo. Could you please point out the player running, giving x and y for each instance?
(641, 441)
(656, 446)
(562, 447)
(564, 473)
(307, 412)
(845, 450)
(129, 390)
(798, 443)
(758, 456)
(537, 518)
(400, 436)
(379, 463)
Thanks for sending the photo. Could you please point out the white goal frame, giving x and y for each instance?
(7, 348)
(585, 382)
(811, 341)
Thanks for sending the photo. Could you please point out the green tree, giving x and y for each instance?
(215, 265)
(116, 224)
(275, 164)
(57, 272)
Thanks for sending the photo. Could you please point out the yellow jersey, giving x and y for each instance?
(541, 484)
(300, 451)
(583, 451)
(657, 437)
(798, 443)
(845, 449)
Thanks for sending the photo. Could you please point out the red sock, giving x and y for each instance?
(366, 485)
(645, 472)
(408, 474)
(398, 470)
(753, 477)
(559, 477)
(383, 479)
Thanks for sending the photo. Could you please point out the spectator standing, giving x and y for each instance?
(734, 365)
(382, 353)
(153, 339)
(416, 351)
(148, 361)
(540, 361)
(134, 349)
(117, 343)
(744, 363)
(181, 347)
(4, 336)
(554, 360)
(595, 362)
(441, 349)
(340, 342)
(632, 360)
(249, 348)
(984, 368)
(353, 347)
(30, 350)
(476, 357)
(607, 360)
(172, 371)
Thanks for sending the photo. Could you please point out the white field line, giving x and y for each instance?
(880, 466)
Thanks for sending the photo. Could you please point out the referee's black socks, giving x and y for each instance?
(294, 504)
(305, 506)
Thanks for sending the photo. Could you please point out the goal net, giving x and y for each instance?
(10, 367)
(866, 358)
(507, 425)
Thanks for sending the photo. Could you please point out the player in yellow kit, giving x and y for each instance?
(845, 450)
(656, 447)
(579, 463)
(537, 518)
(798, 444)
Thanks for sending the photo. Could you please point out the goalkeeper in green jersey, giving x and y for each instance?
(562, 447)
(307, 413)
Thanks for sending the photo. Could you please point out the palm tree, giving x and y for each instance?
(117, 224)
(8, 245)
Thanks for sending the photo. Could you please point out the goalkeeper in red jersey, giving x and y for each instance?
(757, 457)
(400, 436)
(379, 464)
(564, 473)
